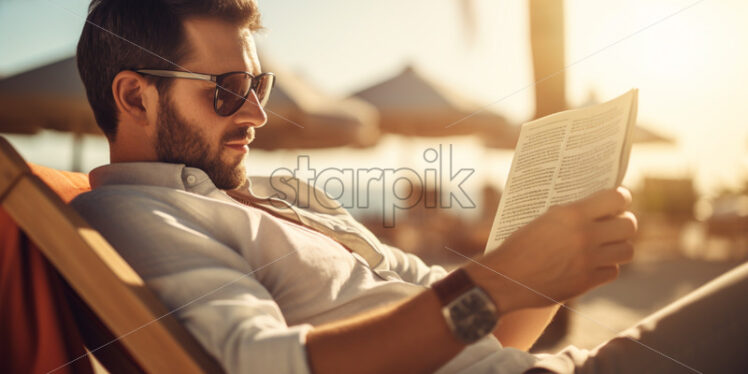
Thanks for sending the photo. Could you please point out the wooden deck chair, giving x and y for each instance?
(108, 286)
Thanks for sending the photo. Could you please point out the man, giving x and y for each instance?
(266, 286)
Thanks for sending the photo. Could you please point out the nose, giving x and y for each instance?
(251, 113)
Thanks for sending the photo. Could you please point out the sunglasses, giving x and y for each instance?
(232, 89)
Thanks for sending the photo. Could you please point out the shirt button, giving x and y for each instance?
(191, 179)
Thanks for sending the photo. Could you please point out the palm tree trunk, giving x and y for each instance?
(547, 44)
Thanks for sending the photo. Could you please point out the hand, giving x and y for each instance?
(561, 254)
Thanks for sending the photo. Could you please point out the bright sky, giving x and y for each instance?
(688, 60)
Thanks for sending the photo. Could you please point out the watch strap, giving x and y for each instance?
(452, 286)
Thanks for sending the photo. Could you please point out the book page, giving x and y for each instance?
(562, 158)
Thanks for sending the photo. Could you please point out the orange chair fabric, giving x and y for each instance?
(66, 184)
(37, 329)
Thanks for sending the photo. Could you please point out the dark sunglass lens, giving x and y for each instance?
(230, 92)
(263, 84)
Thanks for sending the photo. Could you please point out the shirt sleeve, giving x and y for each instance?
(207, 286)
(411, 268)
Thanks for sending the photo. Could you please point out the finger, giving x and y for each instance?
(606, 203)
(604, 274)
(612, 254)
(618, 228)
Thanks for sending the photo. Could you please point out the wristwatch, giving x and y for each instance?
(470, 313)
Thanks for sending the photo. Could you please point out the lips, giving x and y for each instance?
(240, 143)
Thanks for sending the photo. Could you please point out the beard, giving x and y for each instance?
(180, 142)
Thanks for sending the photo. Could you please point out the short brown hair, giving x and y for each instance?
(134, 34)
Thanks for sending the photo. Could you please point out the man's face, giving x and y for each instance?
(188, 129)
(182, 141)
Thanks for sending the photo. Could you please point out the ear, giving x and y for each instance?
(134, 97)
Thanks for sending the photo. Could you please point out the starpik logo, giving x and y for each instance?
(399, 188)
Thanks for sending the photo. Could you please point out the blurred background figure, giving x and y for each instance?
(376, 85)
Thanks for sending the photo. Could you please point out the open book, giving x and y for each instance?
(565, 157)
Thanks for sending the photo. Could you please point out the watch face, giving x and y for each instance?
(472, 315)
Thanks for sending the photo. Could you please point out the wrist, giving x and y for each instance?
(469, 311)
(502, 290)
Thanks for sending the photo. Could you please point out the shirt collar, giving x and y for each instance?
(160, 174)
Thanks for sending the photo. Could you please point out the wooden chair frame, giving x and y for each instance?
(96, 272)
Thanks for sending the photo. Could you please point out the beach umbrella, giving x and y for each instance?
(301, 116)
(47, 97)
(410, 104)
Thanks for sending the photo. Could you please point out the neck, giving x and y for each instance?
(129, 147)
